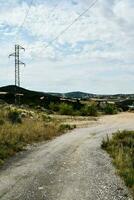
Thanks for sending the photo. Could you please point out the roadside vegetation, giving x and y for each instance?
(110, 109)
(90, 109)
(121, 149)
(19, 127)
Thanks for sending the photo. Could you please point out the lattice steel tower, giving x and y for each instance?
(16, 55)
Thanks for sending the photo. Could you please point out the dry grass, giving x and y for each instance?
(121, 149)
(19, 127)
(79, 121)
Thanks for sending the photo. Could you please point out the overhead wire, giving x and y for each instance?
(68, 27)
(24, 20)
(54, 8)
(27, 14)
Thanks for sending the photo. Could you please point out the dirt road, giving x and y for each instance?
(71, 167)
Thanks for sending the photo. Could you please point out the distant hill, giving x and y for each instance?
(75, 95)
(78, 95)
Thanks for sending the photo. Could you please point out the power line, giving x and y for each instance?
(24, 20)
(28, 11)
(52, 10)
(69, 26)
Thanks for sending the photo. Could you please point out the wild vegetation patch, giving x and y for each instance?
(110, 109)
(121, 149)
(68, 109)
(19, 127)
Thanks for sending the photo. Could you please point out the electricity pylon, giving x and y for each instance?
(16, 55)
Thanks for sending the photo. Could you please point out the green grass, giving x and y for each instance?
(121, 149)
(19, 127)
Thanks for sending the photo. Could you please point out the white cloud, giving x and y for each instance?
(100, 42)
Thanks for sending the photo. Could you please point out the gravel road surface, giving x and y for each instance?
(70, 167)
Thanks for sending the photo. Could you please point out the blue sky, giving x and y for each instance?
(95, 55)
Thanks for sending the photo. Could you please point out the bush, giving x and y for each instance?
(14, 116)
(46, 118)
(66, 109)
(110, 109)
(89, 110)
(54, 106)
(65, 127)
(2, 122)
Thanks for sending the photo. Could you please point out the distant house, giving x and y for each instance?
(102, 102)
(131, 107)
(3, 93)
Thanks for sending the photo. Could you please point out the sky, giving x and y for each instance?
(95, 55)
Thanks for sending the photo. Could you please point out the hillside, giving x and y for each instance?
(25, 96)
(77, 95)
(14, 89)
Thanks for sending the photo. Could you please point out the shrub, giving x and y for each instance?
(89, 110)
(46, 118)
(66, 109)
(110, 109)
(14, 116)
(65, 127)
(2, 122)
(54, 106)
